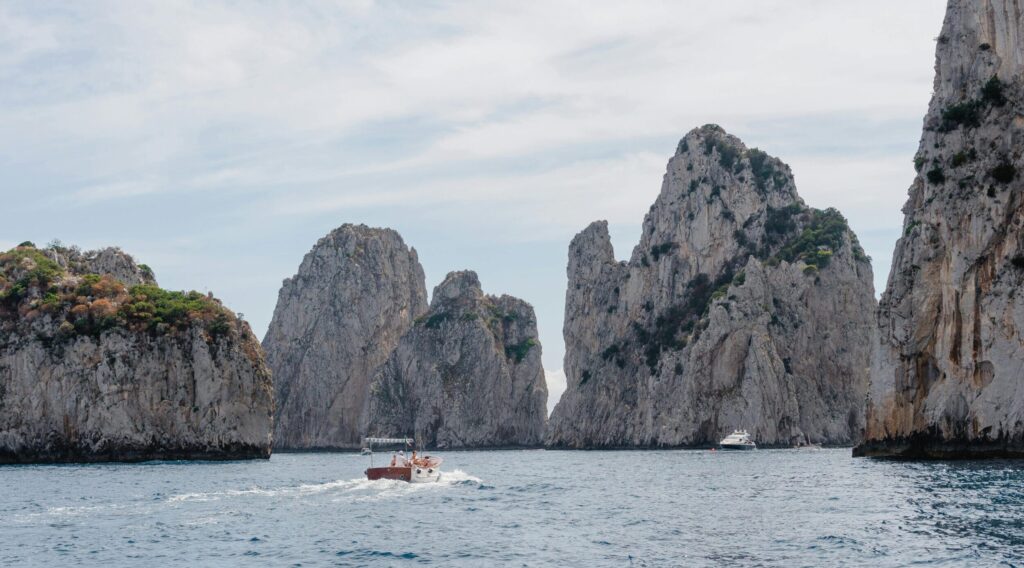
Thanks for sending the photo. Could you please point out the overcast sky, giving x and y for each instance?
(216, 141)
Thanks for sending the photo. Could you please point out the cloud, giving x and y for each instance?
(556, 386)
(189, 85)
(114, 191)
(492, 125)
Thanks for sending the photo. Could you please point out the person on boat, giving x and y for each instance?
(402, 462)
(394, 459)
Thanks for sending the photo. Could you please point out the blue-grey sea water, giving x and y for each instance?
(519, 508)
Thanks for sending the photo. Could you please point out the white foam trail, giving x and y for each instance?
(383, 488)
(458, 476)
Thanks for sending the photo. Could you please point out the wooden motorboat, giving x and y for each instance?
(412, 468)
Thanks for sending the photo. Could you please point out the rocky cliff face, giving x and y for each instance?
(948, 371)
(740, 308)
(97, 363)
(467, 375)
(336, 321)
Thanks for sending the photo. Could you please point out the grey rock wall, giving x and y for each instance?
(741, 307)
(336, 321)
(467, 375)
(947, 374)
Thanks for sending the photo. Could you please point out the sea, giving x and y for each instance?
(520, 508)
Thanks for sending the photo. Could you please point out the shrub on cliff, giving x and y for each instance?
(1004, 172)
(155, 309)
(32, 284)
(763, 168)
(992, 92)
(657, 251)
(518, 351)
(25, 268)
(967, 113)
(818, 240)
(781, 222)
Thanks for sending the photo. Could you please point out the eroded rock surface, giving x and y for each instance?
(947, 375)
(336, 321)
(467, 375)
(740, 308)
(97, 363)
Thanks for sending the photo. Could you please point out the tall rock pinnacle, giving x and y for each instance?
(741, 307)
(356, 292)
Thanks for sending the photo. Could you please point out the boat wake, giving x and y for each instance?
(360, 488)
(384, 489)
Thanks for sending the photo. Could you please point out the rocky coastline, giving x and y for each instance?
(97, 363)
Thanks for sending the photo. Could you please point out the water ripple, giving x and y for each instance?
(764, 508)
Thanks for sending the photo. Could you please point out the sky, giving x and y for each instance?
(216, 141)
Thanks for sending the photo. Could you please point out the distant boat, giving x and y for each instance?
(738, 440)
(414, 469)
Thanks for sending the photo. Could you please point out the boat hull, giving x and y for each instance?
(738, 447)
(395, 473)
(424, 474)
(408, 474)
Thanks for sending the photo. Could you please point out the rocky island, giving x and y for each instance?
(355, 348)
(336, 321)
(98, 363)
(741, 307)
(948, 367)
(467, 375)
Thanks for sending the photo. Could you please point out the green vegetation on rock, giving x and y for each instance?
(657, 251)
(819, 240)
(1004, 172)
(764, 170)
(968, 113)
(518, 351)
(32, 284)
(781, 222)
(23, 269)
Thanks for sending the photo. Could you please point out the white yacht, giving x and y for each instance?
(738, 440)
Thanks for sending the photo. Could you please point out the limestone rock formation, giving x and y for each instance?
(97, 363)
(336, 321)
(947, 376)
(740, 308)
(112, 261)
(467, 375)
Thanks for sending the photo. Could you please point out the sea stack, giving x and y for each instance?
(337, 320)
(467, 375)
(948, 368)
(97, 363)
(740, 308)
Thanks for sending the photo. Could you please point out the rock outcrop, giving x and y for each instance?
(336, 321)
(97, 363)
(947, 376)
(468, 375)
(740, 308)
(111, 261)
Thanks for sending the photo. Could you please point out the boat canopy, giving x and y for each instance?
(406, 441)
